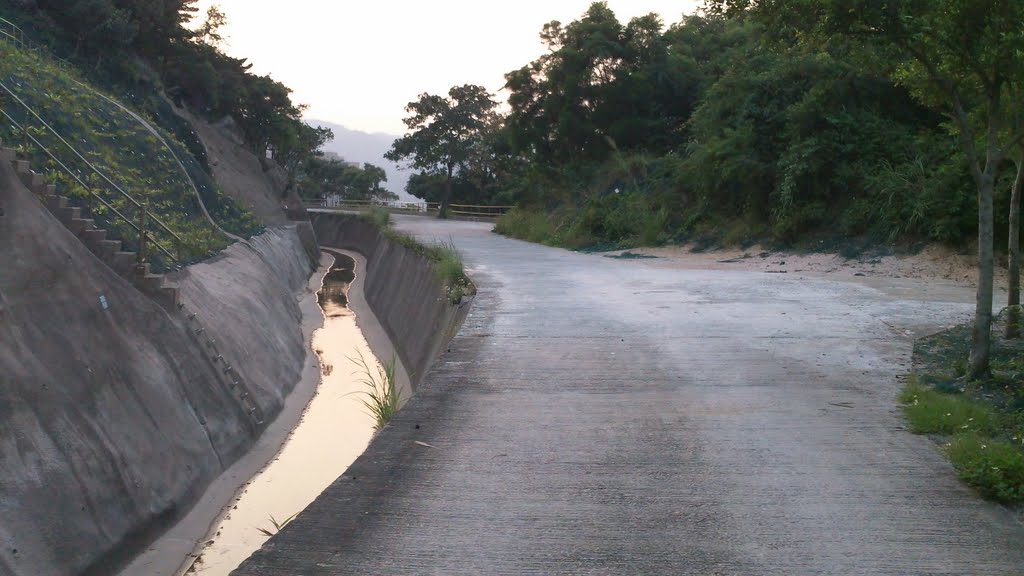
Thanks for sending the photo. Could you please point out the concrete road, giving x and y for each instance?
(598, 416)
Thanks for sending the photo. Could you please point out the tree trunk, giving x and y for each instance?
(447, 195)
(982, 337)
(1013, 298)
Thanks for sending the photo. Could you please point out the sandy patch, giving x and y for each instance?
(932, 263)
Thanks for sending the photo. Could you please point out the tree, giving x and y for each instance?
(209, 31)
(444, 133)
(1013, 251)
(321, 177)
(959, 55)
(160, 23)
(95, 27)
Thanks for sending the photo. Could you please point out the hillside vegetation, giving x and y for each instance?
(149, 55)
(722, 124)
(121, 148)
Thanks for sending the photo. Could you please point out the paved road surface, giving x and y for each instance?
(598, 416)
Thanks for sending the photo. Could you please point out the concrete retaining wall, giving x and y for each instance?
(401, 287)
(113, 418)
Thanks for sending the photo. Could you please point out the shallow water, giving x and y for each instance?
(333, 432)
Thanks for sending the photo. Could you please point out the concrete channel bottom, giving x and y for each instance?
(333, 431)
(597, 416)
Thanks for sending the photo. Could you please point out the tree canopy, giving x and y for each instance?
(789, 121)
(153, 46)
(323, 177)
(447, 135)
(961, 57)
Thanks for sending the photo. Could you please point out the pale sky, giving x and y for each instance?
(359, 63)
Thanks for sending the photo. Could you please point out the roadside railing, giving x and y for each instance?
(465, 210)
(10, 32)
(143, 219)
(341, 204)
(477, 210)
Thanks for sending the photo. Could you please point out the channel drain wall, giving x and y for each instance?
(401, 287)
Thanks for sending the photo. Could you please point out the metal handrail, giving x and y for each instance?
(478, 210)
(91, 167)
(474, 210)
(21, 41)
(86, 187)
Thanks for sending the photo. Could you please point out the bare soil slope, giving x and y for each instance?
(241, 174)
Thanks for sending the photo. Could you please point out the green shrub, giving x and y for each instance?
(931, 412)
(380, 216)
(995, 468)
(525, 225)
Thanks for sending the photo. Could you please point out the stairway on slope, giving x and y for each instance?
(126, 264)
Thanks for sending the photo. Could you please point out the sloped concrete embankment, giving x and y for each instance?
(402, 289)
(113, 415)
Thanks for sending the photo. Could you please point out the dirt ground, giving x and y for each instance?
(932, 263)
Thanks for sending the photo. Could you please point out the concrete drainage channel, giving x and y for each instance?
(413, 322)
(333, 431)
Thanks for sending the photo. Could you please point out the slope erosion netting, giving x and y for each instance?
(121, 148)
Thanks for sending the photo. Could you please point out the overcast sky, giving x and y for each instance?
(359, 63)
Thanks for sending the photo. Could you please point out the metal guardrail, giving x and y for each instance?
(362, 204)
(477, 210)
(145, 215)
(10, 32)
(468, 210)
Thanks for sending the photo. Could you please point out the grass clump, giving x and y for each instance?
(981, 422)
(381, 397)
(932, 412)
(277, 525)
(380, 216)
(451, 271)
(994, 467)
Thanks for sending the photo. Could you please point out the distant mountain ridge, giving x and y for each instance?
(361, 147)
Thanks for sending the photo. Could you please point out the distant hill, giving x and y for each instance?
(356, 146)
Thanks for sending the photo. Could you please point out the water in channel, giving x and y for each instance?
(333, 432)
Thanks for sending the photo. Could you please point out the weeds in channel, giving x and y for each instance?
(381, 397)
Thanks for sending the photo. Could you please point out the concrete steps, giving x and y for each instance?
(108, 250)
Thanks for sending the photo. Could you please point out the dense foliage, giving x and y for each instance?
(322, 177)
(720, 124)
(153, 46)
(448, 142)
(152, 169)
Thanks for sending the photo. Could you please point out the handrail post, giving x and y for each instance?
(140, 256)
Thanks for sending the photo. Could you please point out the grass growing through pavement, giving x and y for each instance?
(980, 423)
(381, 396)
